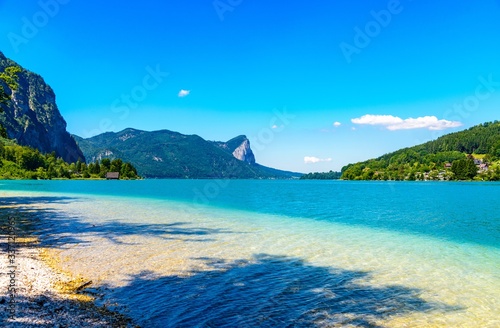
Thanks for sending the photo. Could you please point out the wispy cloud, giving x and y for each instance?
(394, 123)
(337, 124)
(183, 93)
(312, 160)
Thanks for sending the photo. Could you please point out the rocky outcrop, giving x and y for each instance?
(244, 152)
(32, 118)
(239, 147)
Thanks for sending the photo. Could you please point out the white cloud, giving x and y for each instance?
(183, 93)
(396, 123)
(312, 160)
(337, 124)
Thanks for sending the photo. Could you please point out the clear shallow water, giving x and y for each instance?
(279, 253)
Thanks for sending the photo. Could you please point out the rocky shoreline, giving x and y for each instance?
(34, 293)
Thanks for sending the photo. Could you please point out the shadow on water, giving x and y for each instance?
(34, 312)
(267, 291)
(58, 229)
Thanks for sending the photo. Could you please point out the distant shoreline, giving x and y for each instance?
(248, 179)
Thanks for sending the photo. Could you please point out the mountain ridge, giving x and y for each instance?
(169, 154)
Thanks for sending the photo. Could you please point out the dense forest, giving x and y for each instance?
(21, 162)
(466, 155)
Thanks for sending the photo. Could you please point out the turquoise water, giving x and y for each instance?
(246, 253)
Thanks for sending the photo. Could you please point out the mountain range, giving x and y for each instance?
(168, 154)
(30, 116)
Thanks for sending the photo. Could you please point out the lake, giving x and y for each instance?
(274, 253)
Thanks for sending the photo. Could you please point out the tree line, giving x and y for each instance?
(450, 157)
(331, 175)
(21, 162)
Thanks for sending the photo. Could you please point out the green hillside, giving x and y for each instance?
(464, 155)
(168, 154)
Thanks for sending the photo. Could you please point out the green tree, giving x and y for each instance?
(97, 167)
(464, 169)
(103, 171)
(51, 172)
(106, 162)
(470, 169)
(63, 173)
(10, 77)
(128, 171)
(495, 150)
(412, 176)
(78, 166)
(29, 159)
(116, 165)
(91, 168)
(458, 169)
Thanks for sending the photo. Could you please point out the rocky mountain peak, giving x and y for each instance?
(32, 118)
(244, 153)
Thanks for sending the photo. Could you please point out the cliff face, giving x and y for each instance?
(239, 147)
(243, 152)
(32, 118)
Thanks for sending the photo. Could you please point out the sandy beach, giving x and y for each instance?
(35, 293)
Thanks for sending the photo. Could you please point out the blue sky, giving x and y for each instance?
(314, 85)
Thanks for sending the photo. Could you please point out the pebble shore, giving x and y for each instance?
(44, 296)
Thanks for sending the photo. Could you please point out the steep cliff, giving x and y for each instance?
(32, 118)
(240, 149)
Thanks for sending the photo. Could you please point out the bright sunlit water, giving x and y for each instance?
(249, 253)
